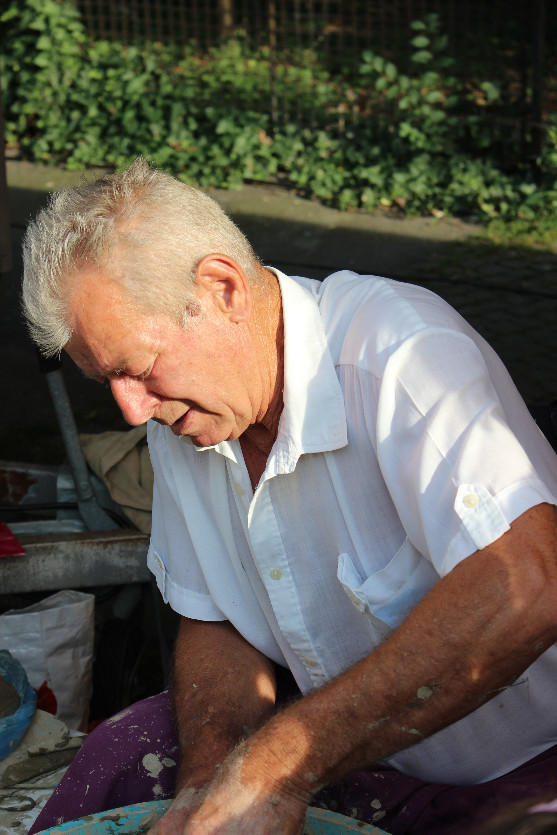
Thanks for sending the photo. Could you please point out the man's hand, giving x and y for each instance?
(224, 689)
(174, 821)
(237, 800)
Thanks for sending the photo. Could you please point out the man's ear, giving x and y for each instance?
(220, 280)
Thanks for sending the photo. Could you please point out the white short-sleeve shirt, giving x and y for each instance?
(403, 447)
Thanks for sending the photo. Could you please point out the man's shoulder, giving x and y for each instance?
(349, 293)
(367, 317)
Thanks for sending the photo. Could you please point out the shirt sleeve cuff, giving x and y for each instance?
(486, 517)
(190, 604)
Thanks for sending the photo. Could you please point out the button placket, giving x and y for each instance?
(239, 480)
(268, 550)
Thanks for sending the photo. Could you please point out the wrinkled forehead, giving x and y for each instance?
(94, 297)
(103, 321)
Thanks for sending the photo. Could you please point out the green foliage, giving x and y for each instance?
(42, 47)
(419, 142)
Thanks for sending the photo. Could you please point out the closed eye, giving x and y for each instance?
(120, 372)
(146, 373)
(98, 378)
(143, 375)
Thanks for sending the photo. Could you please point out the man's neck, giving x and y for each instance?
(269, 328)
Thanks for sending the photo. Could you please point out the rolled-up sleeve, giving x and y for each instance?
(456, 471)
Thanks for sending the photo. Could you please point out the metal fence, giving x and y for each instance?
(495, 32)
(502, 40)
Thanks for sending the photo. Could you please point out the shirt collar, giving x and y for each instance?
(313, 418)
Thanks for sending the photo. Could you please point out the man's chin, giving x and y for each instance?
(204, 439)
(199, 437)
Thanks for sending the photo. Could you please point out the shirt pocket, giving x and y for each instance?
(389, 595)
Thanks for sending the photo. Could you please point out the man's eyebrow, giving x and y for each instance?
(112, 372)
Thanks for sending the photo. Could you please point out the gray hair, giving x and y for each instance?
(145, 229)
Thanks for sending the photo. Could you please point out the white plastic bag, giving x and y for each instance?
(53, 640)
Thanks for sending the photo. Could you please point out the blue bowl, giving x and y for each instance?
(13, 727)
(139, 818)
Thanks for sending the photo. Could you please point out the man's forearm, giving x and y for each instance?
(478, 629)
(223, 689)
(481, 626)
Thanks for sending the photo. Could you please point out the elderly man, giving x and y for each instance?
(348, 487)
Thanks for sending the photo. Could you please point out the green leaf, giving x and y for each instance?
(391, 71)
(440, 43)
(492, 91)
(420, 41)
(422, 57)
(430, 79)
(137, 85)
(9, 14)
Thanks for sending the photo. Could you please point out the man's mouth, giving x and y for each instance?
(173, 424)
(179, 425)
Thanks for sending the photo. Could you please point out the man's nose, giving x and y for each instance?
(134, 399)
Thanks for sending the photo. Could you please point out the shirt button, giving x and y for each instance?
(275, 573)
(470, 500)
(239, 490)
(311, 662)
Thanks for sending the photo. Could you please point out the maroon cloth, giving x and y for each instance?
(132, 758)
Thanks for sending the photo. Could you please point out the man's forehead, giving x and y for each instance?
(107, 333)
(92, 290)
(88, 358)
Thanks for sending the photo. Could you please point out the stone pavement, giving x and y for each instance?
(508, 294)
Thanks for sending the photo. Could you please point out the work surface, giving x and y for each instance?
(76, 560)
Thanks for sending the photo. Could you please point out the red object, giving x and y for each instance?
(46, 700)
(9, 546)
